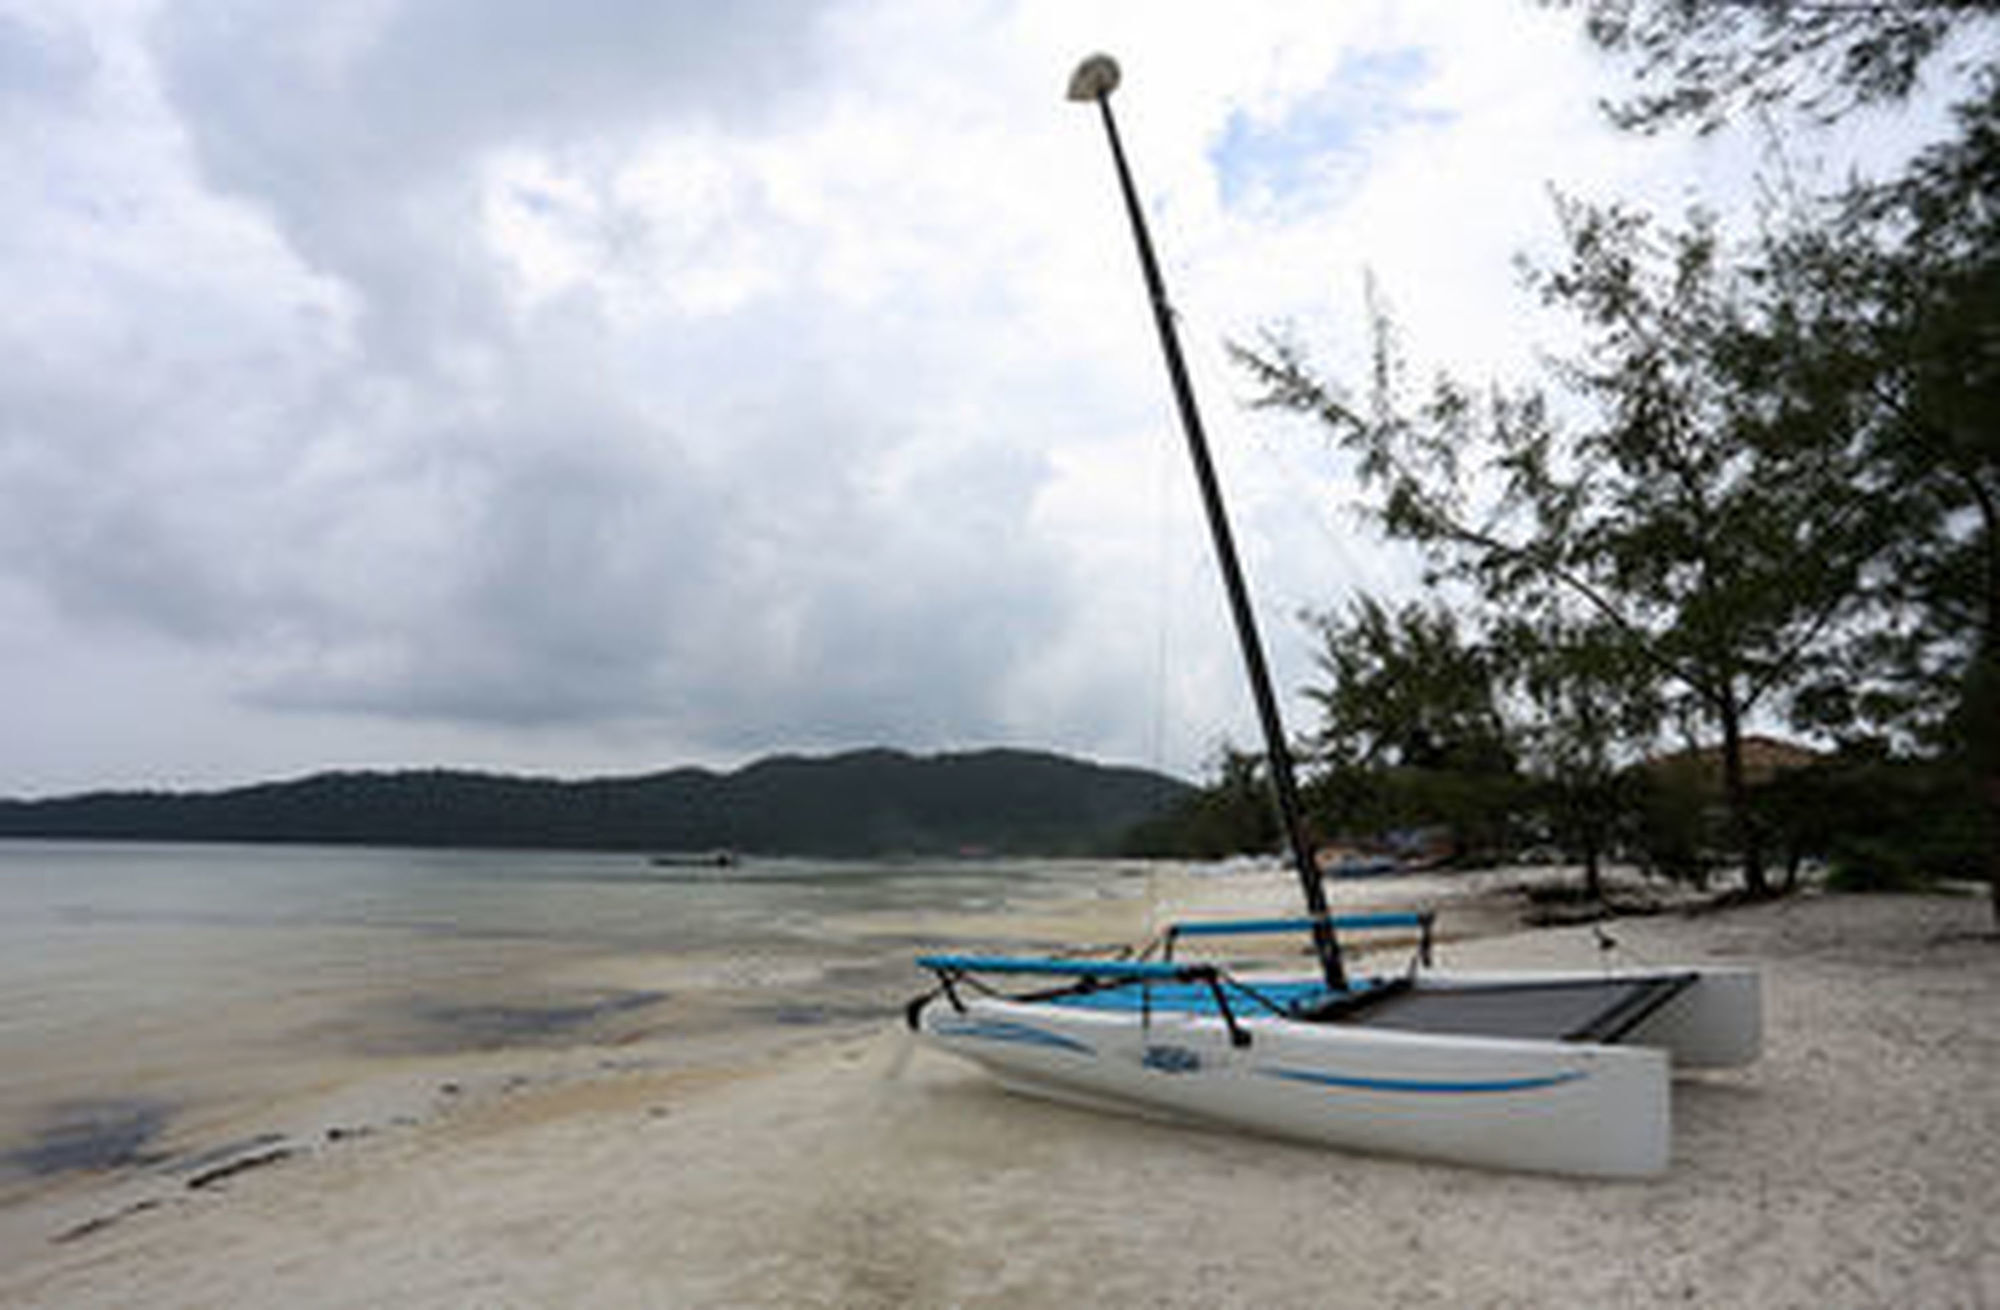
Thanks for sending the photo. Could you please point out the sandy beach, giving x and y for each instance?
(1857, 1164)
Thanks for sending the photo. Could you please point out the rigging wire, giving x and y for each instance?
(1163, 538)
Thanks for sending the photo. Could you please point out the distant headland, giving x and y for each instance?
(861, 803)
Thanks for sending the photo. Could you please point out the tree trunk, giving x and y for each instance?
(1982, 736)
(1985, 709)
(1981, 706)
(1736, 796)
(1993, 844)
(1593, 876)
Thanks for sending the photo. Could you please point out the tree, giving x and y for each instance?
(1587, 699)
(1405, 688)
(1915, 342)
(1714, 57)
(1905, 362)
(1232, 814)
(1411, 728)
(1673, 505)
(1523, 725)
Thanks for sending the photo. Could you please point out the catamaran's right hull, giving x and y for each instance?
(1543, 1106)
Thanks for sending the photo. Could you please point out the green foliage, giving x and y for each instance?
(1485, 810)
(1892, 351)
(1405, 688)
(1672, 824)
(1887, 347)
(1768, 483)
(1710, 60)
(1588, 697)
(1412, 731)
(1882, 312)
(1232, 814)
(1678, 516)
(1882, 823)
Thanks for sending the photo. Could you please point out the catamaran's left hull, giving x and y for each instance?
(1543, 1106)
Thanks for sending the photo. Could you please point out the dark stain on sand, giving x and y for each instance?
(801, 1014)
(79, 1136)
(429, 1025)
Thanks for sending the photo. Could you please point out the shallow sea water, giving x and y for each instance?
(162, 1006)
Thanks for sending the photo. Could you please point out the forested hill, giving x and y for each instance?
(874, 802)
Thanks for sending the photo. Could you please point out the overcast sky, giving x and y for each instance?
(607, 385)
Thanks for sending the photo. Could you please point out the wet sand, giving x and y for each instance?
(831, 1165)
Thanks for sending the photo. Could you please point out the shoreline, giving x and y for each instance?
(834, 1165)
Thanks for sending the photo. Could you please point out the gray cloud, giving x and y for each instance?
(360, 129)
(289, 103)
(42, 64)
(584, 386)
(569, 553)
(337, 457)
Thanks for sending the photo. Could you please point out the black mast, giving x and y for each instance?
(1094, 80)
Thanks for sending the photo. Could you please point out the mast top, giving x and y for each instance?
(1094, 78)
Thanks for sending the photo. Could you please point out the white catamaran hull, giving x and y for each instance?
(1547, 1106)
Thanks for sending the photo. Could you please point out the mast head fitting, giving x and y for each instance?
(1094, 78)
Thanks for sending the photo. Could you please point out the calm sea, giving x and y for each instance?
(158, 1003)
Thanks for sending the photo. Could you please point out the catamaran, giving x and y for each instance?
(1567, 1073)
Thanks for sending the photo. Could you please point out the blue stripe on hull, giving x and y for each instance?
(1350, 1082)
(1002, 1030)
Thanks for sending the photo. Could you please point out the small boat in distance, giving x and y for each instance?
(1352, 865)
(723, 859)
(1554, 1072)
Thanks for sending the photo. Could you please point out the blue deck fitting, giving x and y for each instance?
(1421, 920)
(1122, 970)
(1341, 923)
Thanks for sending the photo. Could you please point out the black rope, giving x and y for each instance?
(1277, 1007)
